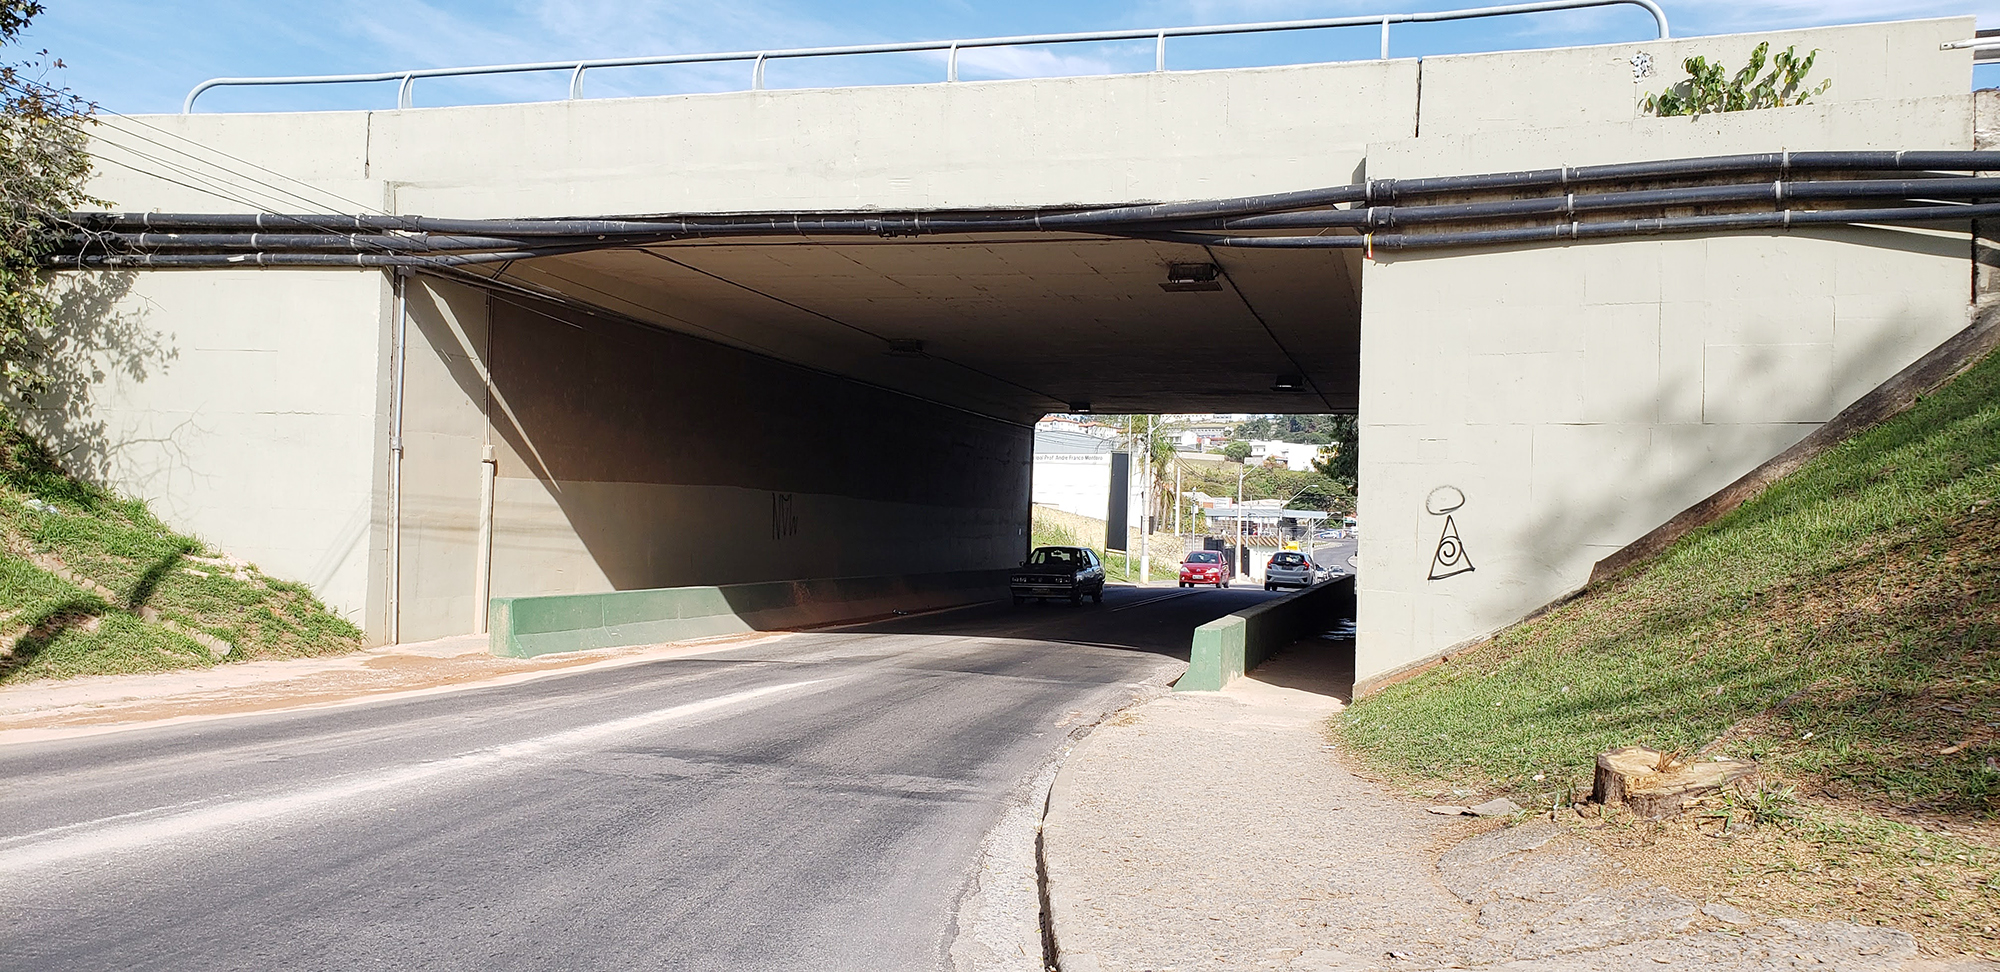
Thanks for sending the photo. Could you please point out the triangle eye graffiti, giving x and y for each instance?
(1450, 558)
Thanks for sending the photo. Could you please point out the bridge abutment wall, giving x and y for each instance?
(1528, 411)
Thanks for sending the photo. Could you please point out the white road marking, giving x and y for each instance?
(1163, 597)
(179, 826)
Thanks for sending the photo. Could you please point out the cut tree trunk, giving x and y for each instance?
(1653, 785)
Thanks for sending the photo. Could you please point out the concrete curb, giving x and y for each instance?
(1228, 646)
(1052, 950)
(523, 627)
(1059, 785)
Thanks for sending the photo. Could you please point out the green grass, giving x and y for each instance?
(1047, 529)
(132, 573)
(1842, 628)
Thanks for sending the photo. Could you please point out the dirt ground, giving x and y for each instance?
(1940, 885)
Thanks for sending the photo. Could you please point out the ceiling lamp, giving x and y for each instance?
(1184, 277)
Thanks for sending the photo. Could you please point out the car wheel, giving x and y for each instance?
(1019, 600)
(1270, 587)
(1097, 598)
(1076, 597)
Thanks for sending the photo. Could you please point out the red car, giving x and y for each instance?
(1205, 567)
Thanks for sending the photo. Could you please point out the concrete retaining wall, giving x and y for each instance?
(1228, 646)
(523, 627)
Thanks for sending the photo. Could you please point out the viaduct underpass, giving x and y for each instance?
(732, 408)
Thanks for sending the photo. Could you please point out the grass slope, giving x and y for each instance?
(1050, 527)
(91, 584)
(1843, 628)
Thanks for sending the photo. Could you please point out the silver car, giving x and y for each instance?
(1289, 568)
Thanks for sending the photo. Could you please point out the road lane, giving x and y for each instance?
(812, 802)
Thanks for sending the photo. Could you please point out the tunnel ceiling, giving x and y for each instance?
(1013, 328)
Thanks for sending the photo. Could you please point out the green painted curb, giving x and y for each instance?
(1230, 645)
(523, 627)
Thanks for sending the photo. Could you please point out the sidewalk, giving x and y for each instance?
(1216, 831)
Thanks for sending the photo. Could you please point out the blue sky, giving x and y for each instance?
(135, 56)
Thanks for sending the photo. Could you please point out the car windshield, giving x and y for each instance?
(1288, 560)
(1053, 557)
(1204, 557)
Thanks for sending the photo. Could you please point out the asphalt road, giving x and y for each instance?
(1334, 553)
(815, 802)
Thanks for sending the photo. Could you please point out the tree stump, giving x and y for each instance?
(1653, 784)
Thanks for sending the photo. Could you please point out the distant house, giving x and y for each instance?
(1296, 456)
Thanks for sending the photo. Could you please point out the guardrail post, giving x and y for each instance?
(951, 63)
(757, 74)
(403, 95)
(1385, 38)
(576, 83)
(1160, 52)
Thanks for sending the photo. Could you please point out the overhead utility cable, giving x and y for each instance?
(1387, 214)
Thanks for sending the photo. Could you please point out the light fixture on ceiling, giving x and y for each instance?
(905, 348)
(1184, 277)
(1288, 383)
(1079, 408)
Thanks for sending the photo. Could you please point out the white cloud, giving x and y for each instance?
(1043, 62)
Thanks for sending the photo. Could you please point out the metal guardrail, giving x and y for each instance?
(758, 59)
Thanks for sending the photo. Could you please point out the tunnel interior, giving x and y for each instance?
(746, 414)
(1010, 328)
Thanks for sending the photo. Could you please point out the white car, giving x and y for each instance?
(1290, 568)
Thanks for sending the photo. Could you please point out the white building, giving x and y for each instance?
(1297, 456)
(1073, 473)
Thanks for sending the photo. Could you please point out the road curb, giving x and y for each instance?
(1053, 955)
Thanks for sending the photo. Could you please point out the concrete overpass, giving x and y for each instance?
(702, 410)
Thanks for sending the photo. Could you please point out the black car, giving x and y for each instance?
(1071, 572)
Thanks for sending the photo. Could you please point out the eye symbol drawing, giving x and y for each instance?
(1450, 558)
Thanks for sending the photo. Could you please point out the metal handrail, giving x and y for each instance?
(1159, 35)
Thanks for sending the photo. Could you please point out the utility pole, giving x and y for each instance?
(1146, 510)
(1127, 525)
(1242, 561)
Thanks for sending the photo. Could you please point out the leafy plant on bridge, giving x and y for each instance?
(1711, 88)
